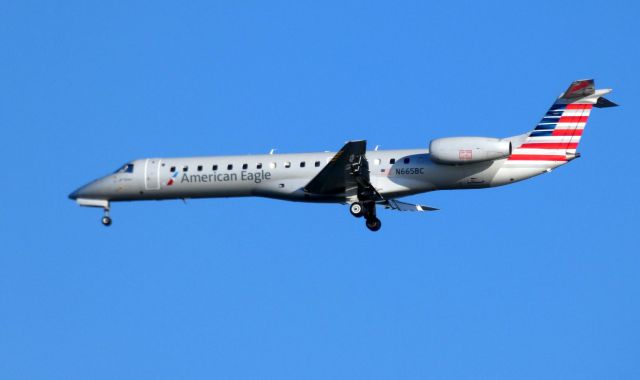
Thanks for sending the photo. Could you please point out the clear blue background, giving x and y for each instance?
(538, 280)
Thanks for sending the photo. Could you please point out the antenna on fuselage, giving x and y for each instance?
(272, 150)
(376, 148)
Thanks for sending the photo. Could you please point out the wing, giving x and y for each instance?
(401, 206)
(347, 170)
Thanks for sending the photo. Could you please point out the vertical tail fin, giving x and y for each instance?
(557, 135)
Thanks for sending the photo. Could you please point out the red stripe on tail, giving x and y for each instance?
(550, 145)
(579, 106)
(567, 132)
(537, 157)
(573, 119)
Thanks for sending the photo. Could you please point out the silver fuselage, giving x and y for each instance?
(393, 173)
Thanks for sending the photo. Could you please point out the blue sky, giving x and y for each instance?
(530, 281)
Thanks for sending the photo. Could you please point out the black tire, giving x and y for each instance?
(356, 210)
(374, 224)
(106, 221)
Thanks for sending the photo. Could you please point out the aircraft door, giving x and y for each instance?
(152, 174)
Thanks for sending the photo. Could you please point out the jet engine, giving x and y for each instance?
(468, 150)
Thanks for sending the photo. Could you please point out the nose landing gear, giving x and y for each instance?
(106, 219)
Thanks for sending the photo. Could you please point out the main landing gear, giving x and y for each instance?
(356, 210)
(368, 210)
(374, 224)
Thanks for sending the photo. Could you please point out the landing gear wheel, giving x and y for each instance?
(374, 224)
(356, 210)
(106, 221)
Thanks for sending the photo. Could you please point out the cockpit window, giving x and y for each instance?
(126, 168)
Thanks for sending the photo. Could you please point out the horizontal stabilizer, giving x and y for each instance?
(402, 206)
(604, 103)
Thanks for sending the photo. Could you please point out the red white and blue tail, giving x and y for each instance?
(556, 137)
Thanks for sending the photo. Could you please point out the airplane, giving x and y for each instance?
(360, 178)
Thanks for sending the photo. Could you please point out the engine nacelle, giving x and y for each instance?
(468, 150)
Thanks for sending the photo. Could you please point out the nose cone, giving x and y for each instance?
(98, 189)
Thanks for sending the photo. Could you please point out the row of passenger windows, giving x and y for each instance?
(273, 165)
(392, 161)
(245, 166)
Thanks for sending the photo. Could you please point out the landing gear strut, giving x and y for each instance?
(106, 220)
(367, 194)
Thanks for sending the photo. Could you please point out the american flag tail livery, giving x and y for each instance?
(554, 140)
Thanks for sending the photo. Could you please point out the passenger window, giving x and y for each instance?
(392, 161)
(245, 166)
(185, 168)
(407, 160)
(199, 168)
(259, 165)
(215, 168)
(173, 169)
(302, 164)
(272, 165)
(287, 164)
(376, 161)
(230, 167)
(317, 163)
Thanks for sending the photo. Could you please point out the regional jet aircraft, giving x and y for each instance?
(361, 178)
